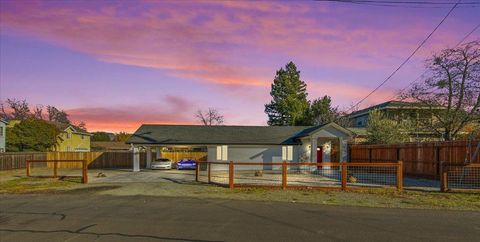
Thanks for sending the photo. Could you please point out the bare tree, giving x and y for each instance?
(19, 109)
(57, 115)
(3, 114)
(38, 112)
(451, 89)
(209, 117)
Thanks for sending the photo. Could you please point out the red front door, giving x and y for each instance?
(319, 155)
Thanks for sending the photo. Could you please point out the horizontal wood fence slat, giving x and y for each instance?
(419, 159)
(95, 160)
(14, 160)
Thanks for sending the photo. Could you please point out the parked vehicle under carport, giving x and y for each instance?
(162, 163)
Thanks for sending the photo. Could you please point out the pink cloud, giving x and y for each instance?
(171, 110)
(200, 44)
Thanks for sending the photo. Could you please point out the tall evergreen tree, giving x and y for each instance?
(289, 105)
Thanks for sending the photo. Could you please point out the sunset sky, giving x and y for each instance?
(117, 64)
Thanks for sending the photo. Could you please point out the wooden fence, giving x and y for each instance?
(14, 160)
(95, 160)
(298, 175)
(180, 155)
(419, 159)
(99, 160)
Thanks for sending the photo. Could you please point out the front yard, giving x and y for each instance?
(177, 184)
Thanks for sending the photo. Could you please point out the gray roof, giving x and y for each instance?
(393, 105)
(205, 135)
(196, 134)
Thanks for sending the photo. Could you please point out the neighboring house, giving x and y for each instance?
(72, 139)
(109, 146)
(325, 143)
(419, 113)
(3, 134)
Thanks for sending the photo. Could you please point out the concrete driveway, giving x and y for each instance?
(127, 176)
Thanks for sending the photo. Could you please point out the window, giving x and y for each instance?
(67, 148)
(83, 136)
(287, 153)
(69, 135)
(222, 152)
(1, 131)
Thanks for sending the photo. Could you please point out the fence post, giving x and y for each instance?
(344, 176)
(197, 169)
(28, 168)
(85, 173)
(55, 169)
(443, 178)
(284, 175)
(209, 168)
(400, 175)
(230, 175)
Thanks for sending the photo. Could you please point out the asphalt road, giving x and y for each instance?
(89, 217)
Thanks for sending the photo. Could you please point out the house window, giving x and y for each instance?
(69, 135)
(83, 136)
(1, 131)
(287, 153)
(222, 152)
(67, 148)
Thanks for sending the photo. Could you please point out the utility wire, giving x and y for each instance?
(406, 4)
(421, 75)
(406, 60)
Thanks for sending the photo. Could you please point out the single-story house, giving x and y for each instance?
(323, 143)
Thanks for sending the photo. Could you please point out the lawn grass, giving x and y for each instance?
(30, 184)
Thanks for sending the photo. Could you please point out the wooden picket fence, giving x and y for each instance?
(420, 159)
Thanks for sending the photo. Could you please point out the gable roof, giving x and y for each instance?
(210, 135)
(3, 121)
(392, 105)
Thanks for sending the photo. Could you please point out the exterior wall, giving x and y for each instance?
(321, 138)
(254, 153)
(75, 143)
(3, 134)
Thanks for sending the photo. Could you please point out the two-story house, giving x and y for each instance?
(3, 134)
(72, 139)
(420, 114)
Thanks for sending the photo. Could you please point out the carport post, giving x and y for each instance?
(136, 159)
(149, 158)
(284, 175)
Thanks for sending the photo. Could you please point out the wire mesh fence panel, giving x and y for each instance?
(257, 174)
(219, 173)
(203, 171)
(301, 175)
(371, 176)
(463, 177)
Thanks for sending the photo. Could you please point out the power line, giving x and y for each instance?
(421, 75)
(406, 60)
(406, 4)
